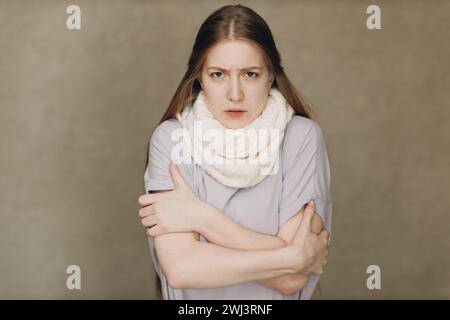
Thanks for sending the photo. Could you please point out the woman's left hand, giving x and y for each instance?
(178, 210)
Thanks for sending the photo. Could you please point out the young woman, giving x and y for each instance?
(252, 223)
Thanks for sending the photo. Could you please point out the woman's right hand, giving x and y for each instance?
(310, 250)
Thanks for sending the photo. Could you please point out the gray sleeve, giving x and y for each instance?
(306, 173)
(163, 143)
(157, 175)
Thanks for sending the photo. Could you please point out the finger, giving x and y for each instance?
(324, 234)
(177, 178)
(149, 221)
(311, 206)
(154, 231)
(146, 211)
(305, 224)
(146, 199)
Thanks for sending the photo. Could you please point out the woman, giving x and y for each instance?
(237, 224)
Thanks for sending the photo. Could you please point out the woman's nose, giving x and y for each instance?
(235, 93)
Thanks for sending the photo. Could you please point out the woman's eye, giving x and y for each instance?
(217, 74)
(251, 74)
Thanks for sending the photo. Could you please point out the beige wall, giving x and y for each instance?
(77, 109)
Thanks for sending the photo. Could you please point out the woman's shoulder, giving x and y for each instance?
(300, 129)
(165, 129)
(303, 138)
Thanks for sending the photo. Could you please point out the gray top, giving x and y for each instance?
(303, 175)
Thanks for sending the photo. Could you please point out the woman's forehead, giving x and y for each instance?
(234, 54)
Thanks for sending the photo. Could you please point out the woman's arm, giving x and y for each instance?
(189, 263)
(284, 283)
(189, 213)
(221, 230)
(243, 235)
(289, 284)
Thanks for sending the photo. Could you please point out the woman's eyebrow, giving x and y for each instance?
(242, 69)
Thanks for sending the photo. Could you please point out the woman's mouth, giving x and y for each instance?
(235, 113)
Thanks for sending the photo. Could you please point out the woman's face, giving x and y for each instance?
(236, 82)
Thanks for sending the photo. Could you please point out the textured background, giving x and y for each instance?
(78, 107)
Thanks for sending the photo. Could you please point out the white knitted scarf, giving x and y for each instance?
(238, 158)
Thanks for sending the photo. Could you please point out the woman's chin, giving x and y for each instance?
(234, 124)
